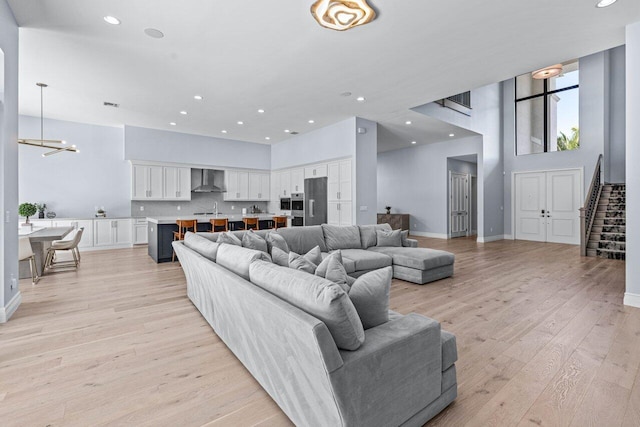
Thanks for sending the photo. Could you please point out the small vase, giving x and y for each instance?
(388, 211)
(41, 214)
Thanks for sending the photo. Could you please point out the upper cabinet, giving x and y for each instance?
(297, 180)
(317, 171)
(249, 186)
(285, 184)
(150, 182)
(259, 184)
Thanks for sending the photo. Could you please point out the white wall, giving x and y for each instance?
(365, 173)
(615, 163)
(163, 146)
(632, 295)
(73, 184)
(414, 180)
(9, 163)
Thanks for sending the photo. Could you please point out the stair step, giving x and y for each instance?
(609, 254)
(609, 221)
(612, 246)
(613, 237)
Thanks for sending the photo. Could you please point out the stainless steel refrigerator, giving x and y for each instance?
(315, 201)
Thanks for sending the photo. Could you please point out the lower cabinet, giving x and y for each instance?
(140, 234)
(339, 213)
(112, 232)
(87, 234)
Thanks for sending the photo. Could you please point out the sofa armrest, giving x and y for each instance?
(399, 368)
(411, 243)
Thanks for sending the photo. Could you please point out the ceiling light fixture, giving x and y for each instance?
(111, 20)
(408, 122)
(261, 111)
(46, 143)
(451, 135)
(312, 121)
(240, 122)
(184, 113)
(547, 72)
(172, 123)
(413, 142)
(153, 33)
(361, 99)
(267, 138)
(223, 131)
(197, 97)
(605, 3)
(287, 131)
(341, 15)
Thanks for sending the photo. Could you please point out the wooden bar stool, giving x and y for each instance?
(184, 225)
(219, 222)
(279, 222)
(251, 222)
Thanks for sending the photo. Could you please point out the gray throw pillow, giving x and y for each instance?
(331, 268)
(314, 255)
(275, 240)
(404, 234)
(322, 267)
(370, 296)
(252, 241)
(229, 238)
(341, 237)
(280, 257)
(389, 238)
(299, 262)
(201, 245)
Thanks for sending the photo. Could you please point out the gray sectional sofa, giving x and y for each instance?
(401, 373)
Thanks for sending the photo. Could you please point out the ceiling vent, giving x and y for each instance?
(111, 104)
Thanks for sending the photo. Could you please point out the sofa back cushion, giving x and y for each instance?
(370, 296)
(368, 234)
(317, 296)
(275, 240)
(238, 233)
(341, 237)
(201, 245)
(230, 239)
(302, 239)
(252, 240)
(238, 259)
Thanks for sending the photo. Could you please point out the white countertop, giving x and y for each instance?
(81, 219)
(206, 218)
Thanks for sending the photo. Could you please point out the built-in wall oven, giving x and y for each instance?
(285, 204)
(297, 209)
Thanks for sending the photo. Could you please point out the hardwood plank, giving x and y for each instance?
(603, 405)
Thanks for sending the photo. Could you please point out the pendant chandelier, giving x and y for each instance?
(55, 145)
(342, 15)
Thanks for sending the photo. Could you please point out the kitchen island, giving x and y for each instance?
(160, 230)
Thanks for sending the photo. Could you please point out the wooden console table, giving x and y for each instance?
(396, 221)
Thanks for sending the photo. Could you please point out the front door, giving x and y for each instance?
(459, 204)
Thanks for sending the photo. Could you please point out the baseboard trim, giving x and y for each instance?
(428, 234)
(632, 300)
(508, 237)
(487, 239)
(7, 312)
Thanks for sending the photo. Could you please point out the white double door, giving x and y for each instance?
(547, 206)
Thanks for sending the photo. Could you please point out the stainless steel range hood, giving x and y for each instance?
(207, 181)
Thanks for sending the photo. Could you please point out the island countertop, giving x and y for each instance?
(205, 219)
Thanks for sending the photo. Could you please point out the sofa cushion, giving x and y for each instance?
(275, 240)
(317, 296)
(370, 296)
(302, 239)
(366, 259)
(280, 257)
(238, 259)
(331, 268)
(341, 237)
(404, 234)
(389, 238)
(300, 262)
(201, 245)
(368, 234)
(229, 238)
(349, 265)
(449, 349)
(253, 241)
(418, 258)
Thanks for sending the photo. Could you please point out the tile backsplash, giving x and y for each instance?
(200, 202)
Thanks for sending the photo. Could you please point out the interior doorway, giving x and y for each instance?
(462, 191)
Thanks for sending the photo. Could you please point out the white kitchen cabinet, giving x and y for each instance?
(339, 181)
(146, 182)
(259, 186)
(315, 171)
(112, 232)
(297, 180)
(237, 183)
(87, 235)
(177, 183)
(38, 222)
(140, 236)
(285, 184)
(339, 213)
(275, 186)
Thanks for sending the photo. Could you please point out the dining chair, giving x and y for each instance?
(25, 252)
(222, 224)
(184, 225)
(279, 221)
(251, 222)
(64, 245)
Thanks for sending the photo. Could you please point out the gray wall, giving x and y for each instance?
(366, 171)
(73, 184)
(163, 146)
(615, 162)
(9, 156)
(414, 180)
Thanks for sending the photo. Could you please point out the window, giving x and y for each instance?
(547, 112)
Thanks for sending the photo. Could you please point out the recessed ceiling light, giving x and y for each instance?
(361, 99)
(184, 113)
(111, 20)
(240, 122)
(197, 97)
(223, 131)
(152, 32)
(452, 135)
(547, 72)
(261, 111)
(413, 142)
(172, 123)
(408, 122)
(267, 138)
(605, 3)
(287, 131)
(312, 121)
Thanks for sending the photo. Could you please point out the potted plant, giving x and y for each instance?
(388, 208)
(26, 210)
(41, 208)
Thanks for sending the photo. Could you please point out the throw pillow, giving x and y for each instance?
(322, 267)
(389, 238)
(405, 236)
(252, 241)
(299, 262)
(280, 257)
(370, 296)
(341, 237)
(201, 245)
(275, 240)
(331, 268)
(314, 255)
(229, 238)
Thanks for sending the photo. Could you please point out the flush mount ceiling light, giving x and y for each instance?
(547, 72)
(50, 144)
(111, 20)
(342, 15)
(605, 3)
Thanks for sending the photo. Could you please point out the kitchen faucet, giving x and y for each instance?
(215, 208)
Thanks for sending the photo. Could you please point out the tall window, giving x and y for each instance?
(547, 112)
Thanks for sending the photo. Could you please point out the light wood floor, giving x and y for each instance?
(543, 339)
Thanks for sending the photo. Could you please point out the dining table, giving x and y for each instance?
(40, 238)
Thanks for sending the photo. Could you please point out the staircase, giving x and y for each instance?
(607, 238)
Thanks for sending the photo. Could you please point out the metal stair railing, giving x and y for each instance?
(588, 211)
